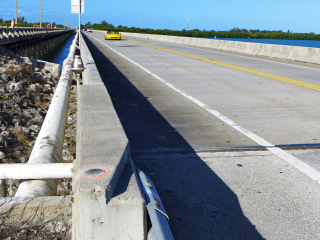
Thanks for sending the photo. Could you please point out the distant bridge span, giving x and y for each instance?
(31, 42)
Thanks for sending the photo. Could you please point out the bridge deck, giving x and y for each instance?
(231, 142)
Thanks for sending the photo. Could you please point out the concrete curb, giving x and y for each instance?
(109, 203)
(295, 53)
(36, 211)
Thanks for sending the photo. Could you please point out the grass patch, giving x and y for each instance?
(24, 144)
(73, 99)
(39, 101)
(72, 111)
(23, 65)
(72, 142)
(18, 132)
(11, 71)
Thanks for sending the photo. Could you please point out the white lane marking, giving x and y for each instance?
(295, 162)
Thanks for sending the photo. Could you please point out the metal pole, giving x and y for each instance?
(79, 24)
(51, 18)
(40, 15)
(188, 22)
(16, 16)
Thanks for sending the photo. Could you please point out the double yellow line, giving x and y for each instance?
(303, 84)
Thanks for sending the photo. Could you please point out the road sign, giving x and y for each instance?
(75, 6)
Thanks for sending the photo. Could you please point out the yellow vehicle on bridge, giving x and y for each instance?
(112, 35)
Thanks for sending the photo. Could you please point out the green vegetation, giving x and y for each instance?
(24, 144)
(23, 23)
(233, 33)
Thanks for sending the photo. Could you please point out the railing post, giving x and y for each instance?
(13, 33)
(2, 188)
(1, 31)
(27, 32)
(7, 34)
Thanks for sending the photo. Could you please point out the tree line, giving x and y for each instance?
(23, 23)
(233, 33)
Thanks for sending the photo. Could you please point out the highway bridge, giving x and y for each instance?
(229, 137)
(32, 42)
(231, 141)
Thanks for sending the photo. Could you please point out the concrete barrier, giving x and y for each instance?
(108, 201)
(295, 53)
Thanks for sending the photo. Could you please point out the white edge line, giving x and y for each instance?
(295, 162)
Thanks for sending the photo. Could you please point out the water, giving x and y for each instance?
(301, 43)
(59, 53)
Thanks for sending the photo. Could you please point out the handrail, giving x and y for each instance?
(36, 171)
(49, 143)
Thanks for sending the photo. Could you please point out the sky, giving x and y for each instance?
(293, 15)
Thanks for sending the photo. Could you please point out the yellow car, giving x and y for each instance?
(112, 35)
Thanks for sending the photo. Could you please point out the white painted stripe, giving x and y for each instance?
(301, 166)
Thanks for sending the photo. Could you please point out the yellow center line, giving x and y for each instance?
(236, 67)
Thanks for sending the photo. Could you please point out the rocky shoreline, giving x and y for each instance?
(26, 89)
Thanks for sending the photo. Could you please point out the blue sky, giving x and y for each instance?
(293, 15)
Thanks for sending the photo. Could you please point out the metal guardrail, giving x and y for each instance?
(160, 229)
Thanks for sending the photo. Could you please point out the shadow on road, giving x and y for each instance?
(200, 205)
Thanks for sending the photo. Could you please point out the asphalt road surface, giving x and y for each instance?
(231, 142)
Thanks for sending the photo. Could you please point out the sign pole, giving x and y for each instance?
(79, 24)
(74, 9)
